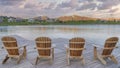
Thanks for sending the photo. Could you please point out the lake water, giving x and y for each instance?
(62, 31)
(60, 35)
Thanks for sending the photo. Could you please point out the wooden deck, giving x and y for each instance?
(59, 59)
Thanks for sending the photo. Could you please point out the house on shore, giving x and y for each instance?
(41, 18)
(1, 20)
(51, 20)
(31, 20)
(11, 19)
(18, 20)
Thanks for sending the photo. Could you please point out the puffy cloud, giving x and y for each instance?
(11, 2)
(80, 4)
(107, 4)
(56, 8)
(40, 5)
(91, 6)
(71, 3)
(113, 10)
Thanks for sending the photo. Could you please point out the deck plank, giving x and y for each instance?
(60, 58)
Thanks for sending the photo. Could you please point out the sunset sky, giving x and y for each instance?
(56, 8)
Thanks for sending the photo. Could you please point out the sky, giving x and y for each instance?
(57, 8)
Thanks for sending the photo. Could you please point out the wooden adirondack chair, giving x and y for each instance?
(44, 48)
(75, 49)
(10, 44)
(109, 46)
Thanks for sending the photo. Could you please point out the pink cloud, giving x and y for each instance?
(32, 8)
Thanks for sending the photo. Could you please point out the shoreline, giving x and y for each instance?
(62, 25)
(87, 22)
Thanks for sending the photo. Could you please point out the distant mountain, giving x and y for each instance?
(63, 18)
(75, 18)
(41, 18)
(112, 19)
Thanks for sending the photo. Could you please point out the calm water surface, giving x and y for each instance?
(62, 31)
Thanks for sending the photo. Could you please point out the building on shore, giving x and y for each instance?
(18, 20)
(1, 20)
(11, 19)
(41, 18)
(31, 20)
(51, 20)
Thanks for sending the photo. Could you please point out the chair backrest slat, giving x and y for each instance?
(43, 44)
(110, 44)
(78, 44)
(10, 44)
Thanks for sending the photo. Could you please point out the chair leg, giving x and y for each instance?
(36, 60)
(6, 58)
(24, 53)
(68, 61)
(67, 57)
(83, 61)
(95, 53)
(19, 59)
(52, 56)
(114, 59)
(51, 60)
(53, 53)
(101, 59)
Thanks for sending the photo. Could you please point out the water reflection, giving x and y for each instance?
(3, 29)
(87, 31)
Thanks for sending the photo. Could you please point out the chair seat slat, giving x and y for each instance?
(11, 47)
(8, 41)
(111, 41)
(76, 48)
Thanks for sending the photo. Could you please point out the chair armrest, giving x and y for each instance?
(105, 48)
(96, 45)
(117, 46)
(53, 46)
(35, 48)
(66, 46)
(2, 47)
(85, 48)
(24, 46)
